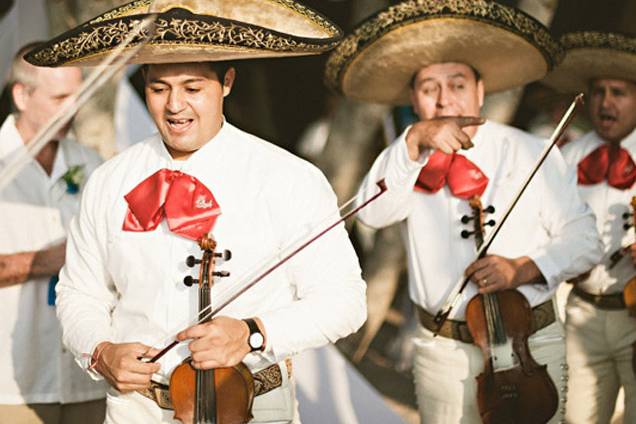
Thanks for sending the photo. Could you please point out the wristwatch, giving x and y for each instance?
(255, 340)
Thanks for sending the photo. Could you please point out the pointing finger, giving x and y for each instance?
(468, 121)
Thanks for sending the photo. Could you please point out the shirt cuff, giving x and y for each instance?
(548, 268)
(274, 343)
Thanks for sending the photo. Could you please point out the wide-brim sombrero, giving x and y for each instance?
(590, 55)
(196, 30)
(377, 61)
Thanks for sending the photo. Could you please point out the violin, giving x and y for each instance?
(215, 396)
(513, 388)
(629, 292)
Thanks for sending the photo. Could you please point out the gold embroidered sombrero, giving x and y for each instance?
(590, 55)
(196, 30)
(376, 63)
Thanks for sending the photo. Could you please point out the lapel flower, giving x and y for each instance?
(73, 178)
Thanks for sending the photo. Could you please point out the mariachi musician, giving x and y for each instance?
(122, 292)
(600, 331)
(443, 57)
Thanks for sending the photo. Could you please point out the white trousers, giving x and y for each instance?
(599, 353)
(445, 370)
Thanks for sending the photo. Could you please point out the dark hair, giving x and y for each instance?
(219, 68)
(475, 72)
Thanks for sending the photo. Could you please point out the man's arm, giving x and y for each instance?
(17, 268)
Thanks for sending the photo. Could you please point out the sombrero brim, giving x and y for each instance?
(591, 55)
(377, 62)
(196, 30)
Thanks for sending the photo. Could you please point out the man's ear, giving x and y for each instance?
(480, 92)
(19, 94)
(228, 81)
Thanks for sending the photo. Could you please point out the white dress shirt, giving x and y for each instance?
(128, 286)
(608, 204)
(35, 212)
(550, 224)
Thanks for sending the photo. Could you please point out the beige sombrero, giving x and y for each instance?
(590, 55)
(376, 63)
(196, 30)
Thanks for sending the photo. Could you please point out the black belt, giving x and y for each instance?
(613, 301)
(542, 316)
(265, 381)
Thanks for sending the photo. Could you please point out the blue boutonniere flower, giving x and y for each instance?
(74, 178)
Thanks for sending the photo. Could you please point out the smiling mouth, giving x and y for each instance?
(179, 125)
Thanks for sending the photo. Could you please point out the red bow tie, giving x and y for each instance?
(608, 162)
(463, 177)
(189, 207)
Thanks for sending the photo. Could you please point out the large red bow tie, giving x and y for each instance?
(609, 162)
(189, 207)
(463, 177)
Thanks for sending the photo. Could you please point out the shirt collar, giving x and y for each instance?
(479, 135)
(60, 167)
(208, 152)
(629, 142)
(10, 139)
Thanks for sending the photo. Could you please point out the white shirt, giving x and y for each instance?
(128, 286)
(550, 224)
(35, 211)
(10, 139)
(609, 204)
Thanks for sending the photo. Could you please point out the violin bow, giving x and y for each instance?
(295, 248)
(455, 295)
(103, 72)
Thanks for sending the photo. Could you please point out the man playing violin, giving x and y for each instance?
(600, 331)
(443, 60)
(122, 293)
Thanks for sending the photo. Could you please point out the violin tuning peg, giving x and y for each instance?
(626, 215)
(190, 281)
(226, 255)
(192, 261)
(221, 274)
(465, 234)
(490, 223)
(466, 219)
(490, 209)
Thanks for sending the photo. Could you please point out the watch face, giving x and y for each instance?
(256, 340)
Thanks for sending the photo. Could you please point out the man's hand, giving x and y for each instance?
(494, 273)
(17, 268)
(221, 342)
(120, 366)
(444, 133)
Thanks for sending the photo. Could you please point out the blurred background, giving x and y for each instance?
(284, 101)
